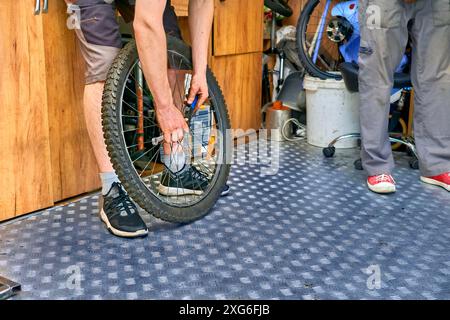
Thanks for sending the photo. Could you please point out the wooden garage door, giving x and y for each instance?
(238, 27)
(24, 138)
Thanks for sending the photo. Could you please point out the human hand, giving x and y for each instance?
(199, 88)
(172, 124)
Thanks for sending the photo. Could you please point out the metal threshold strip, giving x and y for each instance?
(8, 288)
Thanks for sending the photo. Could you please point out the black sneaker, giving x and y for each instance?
(189, 181)
(120, 214)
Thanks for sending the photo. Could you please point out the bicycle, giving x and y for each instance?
(328, 41)
(134, 139)
(328, 34)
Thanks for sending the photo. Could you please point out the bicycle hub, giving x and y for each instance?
(339, 29)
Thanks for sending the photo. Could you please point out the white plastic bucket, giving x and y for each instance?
(331, 111)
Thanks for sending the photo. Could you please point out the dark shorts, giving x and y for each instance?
(97, 29)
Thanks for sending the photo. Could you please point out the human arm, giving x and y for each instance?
(152, 48)
(201, 14)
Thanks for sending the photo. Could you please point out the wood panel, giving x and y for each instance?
(24, 142)
(238, 27)
(74, 169)
(240, 78)
(181, 7)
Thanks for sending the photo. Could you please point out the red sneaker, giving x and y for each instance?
(442, 180)
(383, 183)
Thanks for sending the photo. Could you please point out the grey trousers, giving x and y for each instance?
(385, 25)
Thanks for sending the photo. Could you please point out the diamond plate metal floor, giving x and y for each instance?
(309, 232)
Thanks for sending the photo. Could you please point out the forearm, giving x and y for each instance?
(200, 22)
(152, 48)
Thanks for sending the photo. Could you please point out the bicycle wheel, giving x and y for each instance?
(132, 135)
(317, 49)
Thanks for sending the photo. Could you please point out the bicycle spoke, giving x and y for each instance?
(146, 152)
(151, 160)
(199, 162)
(153, 170)
(134, 93)
(142, 87)
(145, 127)
(323, 61)
(181, 94)
(170, 166)
(131, 107)
(135, 145)
(191, 153)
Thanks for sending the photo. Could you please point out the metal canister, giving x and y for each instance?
(276, 117)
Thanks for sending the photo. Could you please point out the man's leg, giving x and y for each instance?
(92, 113)
(384, 37)
(431, 80)
(100, 42)
(99, 38)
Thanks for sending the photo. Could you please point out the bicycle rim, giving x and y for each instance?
(145, 156)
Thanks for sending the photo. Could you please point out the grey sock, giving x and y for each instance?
(175, 162)
(108, 178)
